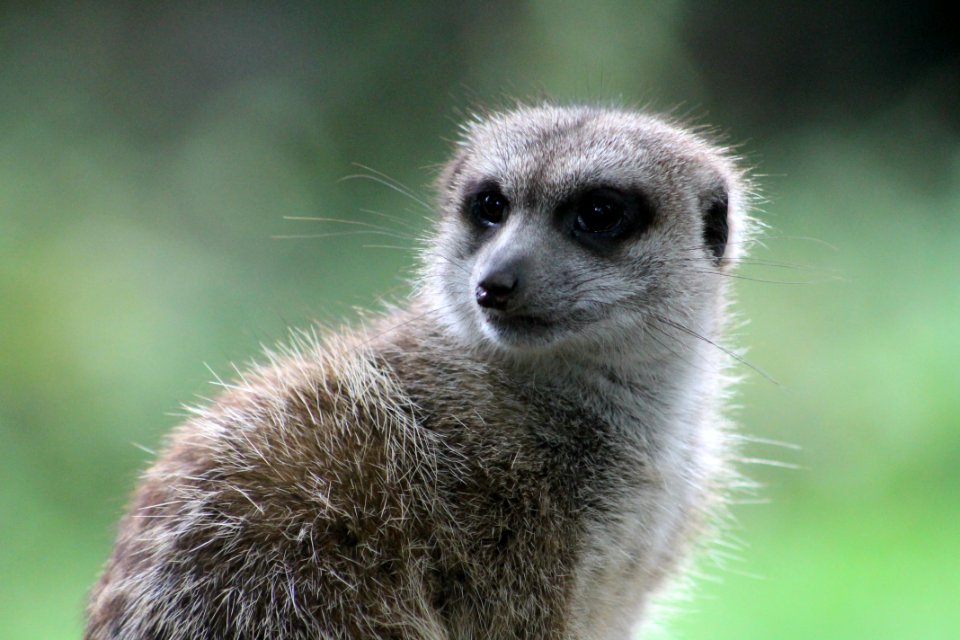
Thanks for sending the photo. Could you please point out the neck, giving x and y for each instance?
(653, 358)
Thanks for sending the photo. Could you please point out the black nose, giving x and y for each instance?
(496, 289)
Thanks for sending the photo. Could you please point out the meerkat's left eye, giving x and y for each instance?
(602, 211)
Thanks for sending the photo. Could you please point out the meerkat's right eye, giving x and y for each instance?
(489, 208)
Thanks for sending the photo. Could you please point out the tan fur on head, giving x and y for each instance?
(541, 156)
(525, 450)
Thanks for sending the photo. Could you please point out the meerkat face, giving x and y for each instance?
(570, 225)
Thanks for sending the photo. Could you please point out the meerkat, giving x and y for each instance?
(525, 450)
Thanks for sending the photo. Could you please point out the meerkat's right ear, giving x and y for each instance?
(449, 178)
(448, 184)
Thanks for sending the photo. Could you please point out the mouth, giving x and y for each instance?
(517, 320)
(515, 329)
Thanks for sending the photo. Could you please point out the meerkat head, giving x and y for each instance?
(580, 226)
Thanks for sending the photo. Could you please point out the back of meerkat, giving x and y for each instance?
(524, 451)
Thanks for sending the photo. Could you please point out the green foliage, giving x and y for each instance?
(150, 159)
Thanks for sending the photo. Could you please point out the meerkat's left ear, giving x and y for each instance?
(724, 218)
(715, 209)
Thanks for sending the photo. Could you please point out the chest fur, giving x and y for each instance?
(583, 500)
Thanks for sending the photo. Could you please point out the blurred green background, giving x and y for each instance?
(152, 151)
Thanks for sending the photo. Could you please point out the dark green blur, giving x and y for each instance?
(152, 153)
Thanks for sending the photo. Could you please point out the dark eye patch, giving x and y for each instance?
(490, 208)
(486, 205)
(601, 217)
(600, 211)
